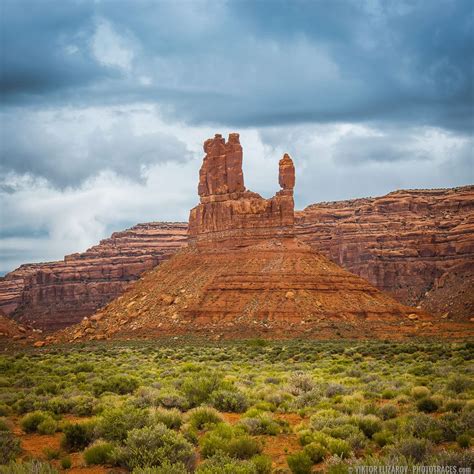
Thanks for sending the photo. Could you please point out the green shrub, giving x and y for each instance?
(300, 383)
(260, 424)
(427, 405)
(299, 463)
(5, 410)
(4, 425)
(229, 440)
(120, 384)
(66, 462)
(413, 449)
(455, 405)
(388, 394)
(315, 451)
(382, 438)
(459, 383)
(223, 464)
(115, 423)
(243, 447)
(343, 431)
(47, 388)
(77, 436)
(199, 388)
(172, 418)
(419, 392)
(420, 425)
(334, 389)
(190, 433)
(229, 401)
(305, 437)
(216, 440)
(51, 453)
(339, 447)
(9, 446)
(84, 367)
(307, 399)
(83, 405)
(33, 467)
(369, 424)
(48, 426)
(171, 399)
(262, 463)
(29, 423)
(152, 446)
(58, 405)
(464, 441)
(203, 417)
(388, 411)
(98, 453)
(460, 459)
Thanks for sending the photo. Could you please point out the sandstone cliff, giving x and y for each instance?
(404, 242)
(412, 244)
(57, 294)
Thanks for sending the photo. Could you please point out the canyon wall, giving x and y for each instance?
(417, 245)
(405, 243)
(54, 295)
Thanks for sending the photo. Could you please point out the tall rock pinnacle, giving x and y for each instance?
(230, 215)
(286, 175)
(221, 171)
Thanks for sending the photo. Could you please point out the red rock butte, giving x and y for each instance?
(229, 214)
(245, 274)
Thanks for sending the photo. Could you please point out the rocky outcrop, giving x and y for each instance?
(58, 294)
(12, 332)
(230, 214)
(245, 274)
(452, 295)
(412, 244)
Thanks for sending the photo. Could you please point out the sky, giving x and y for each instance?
(105, 106)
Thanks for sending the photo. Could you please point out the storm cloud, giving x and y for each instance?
(105, 105)
(248, 63)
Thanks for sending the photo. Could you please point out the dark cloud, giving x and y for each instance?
(355, 150)
(68, 149)
(252, 63)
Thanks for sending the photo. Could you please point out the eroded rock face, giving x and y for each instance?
(12, 286)
(403, 242)
(230, 215)
(58, 294)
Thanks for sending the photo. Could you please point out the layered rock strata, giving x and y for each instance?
(245, 274)
(58, 294)
(404, 243)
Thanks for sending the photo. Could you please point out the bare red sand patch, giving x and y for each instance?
(278, 447)
(33, 445)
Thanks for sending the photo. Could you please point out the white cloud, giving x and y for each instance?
(110, 48)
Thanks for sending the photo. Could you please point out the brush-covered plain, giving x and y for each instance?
(248, 407)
